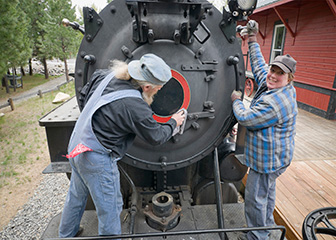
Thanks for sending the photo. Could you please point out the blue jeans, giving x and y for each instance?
(260, 201)
(98, 175)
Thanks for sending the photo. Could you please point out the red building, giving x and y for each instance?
(305, 29)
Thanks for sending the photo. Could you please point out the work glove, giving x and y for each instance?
(236, 95)
(251, 29)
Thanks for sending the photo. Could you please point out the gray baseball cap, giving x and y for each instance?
(286, 63)
(150, 68)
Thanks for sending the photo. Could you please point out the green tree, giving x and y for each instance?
(14, 42)
(64, 41)
(38, 23)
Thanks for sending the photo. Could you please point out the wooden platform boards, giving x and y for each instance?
(310, 181)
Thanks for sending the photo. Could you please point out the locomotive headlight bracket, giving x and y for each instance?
(181, 20)
(241, 9)
(238, 10)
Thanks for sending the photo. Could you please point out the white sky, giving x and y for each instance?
(102, 3)
(88, 3)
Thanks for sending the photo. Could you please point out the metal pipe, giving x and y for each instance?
(134, 199)
(89, 60)
(234, 60)
(74, 25)
(218, 191)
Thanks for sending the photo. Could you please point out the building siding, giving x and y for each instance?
(314, 47)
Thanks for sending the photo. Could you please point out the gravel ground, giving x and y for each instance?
(47, 201)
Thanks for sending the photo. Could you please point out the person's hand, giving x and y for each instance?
(251, 29)
(236, 95)
(179, 118)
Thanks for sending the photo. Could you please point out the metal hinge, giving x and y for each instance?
(205, 66)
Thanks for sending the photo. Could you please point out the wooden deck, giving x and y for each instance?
(310, 181)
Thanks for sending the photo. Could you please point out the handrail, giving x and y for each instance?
(190, 232)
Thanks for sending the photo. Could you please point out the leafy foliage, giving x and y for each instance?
(14, 42)
(64, 40)
(32, 29)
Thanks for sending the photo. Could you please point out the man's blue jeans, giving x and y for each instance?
(98, 175)
(260, 201)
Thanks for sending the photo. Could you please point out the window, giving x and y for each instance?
(278, 40)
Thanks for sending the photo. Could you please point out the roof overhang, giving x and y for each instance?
(272, 5)
(265, 7)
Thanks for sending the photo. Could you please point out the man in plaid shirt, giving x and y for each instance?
(270, 123)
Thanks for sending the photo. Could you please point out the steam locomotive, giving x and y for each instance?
(188, 187)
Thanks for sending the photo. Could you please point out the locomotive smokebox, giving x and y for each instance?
(189, 37)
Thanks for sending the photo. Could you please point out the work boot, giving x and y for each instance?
(80, 231)
(242, 236)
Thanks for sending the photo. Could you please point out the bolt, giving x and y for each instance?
(89, 38)
(208, 104)
(232, 39)
(113, 9)
(195, 125)
(163, 164)
(82, 54)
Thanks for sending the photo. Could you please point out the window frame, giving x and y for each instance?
(277, 25)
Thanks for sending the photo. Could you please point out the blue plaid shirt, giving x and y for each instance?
(270, 120)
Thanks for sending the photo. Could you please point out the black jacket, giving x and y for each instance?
(116, 124)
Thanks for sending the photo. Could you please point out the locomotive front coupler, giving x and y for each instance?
(163, 214)
(161, 210)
